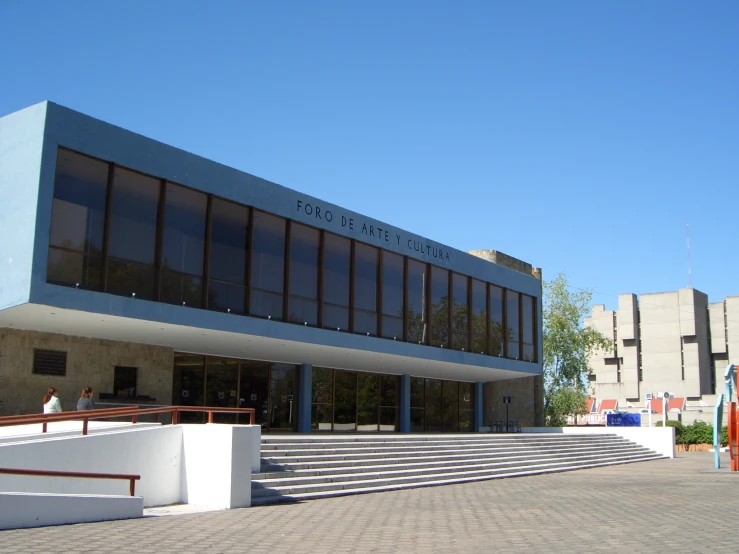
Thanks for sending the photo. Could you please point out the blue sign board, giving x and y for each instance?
(623, 420)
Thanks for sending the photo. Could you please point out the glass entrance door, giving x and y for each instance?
(188, 385)
(222, 378)
(283, 398)
(254, 391)
(345, 401)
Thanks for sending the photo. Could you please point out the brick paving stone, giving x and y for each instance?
(671, 505)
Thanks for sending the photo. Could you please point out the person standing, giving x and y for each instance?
(51, 402)
(85, 402)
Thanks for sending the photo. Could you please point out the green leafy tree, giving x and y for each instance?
(567, 345)
(566, 401)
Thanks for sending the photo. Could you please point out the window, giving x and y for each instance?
(416, 302)
(392, 296)
(267, 265)
(460, 321)
(418, 403)
(439, 315)
(336, 266)
(449, 406)
(303, 268)
(228, 232)
(496, 321)
(49, 362)
(77, 221)
(389, 403)
(479, 322)
(513, 325)
(322, 399)
(124, 381)
(133, 230)
(183, 246)
(365, 289)
(466, 407)
(527, 324)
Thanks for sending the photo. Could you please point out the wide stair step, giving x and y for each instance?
(297, 468)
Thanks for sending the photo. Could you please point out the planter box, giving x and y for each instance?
(694, 447)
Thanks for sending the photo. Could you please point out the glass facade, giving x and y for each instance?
(118, 231)
(441, 406)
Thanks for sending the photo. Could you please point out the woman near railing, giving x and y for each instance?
(51, 402)
(85, 402)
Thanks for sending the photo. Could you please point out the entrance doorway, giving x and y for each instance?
(270, 389)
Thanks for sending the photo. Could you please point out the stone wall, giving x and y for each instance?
(527, 401)
(505, 260)
(90, 362)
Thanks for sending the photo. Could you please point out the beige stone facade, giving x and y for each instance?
(671, 341)
(90, 362)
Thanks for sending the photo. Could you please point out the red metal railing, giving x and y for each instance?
(48, 473)
(134, 412)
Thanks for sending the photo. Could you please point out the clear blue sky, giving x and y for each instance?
(578, 136)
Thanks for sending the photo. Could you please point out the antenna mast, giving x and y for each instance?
(687, 236)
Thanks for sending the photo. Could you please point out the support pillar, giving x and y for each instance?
(405, 403)
(478, 407)
(305, 388)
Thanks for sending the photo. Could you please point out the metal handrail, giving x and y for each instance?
(49, 473)
(133, 411)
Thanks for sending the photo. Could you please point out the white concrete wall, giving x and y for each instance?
(221, 459)
(218, 462)
(658, 439)
(22, 510)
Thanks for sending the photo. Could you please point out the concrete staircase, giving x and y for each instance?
(300, 468)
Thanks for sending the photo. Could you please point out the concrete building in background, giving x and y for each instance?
(156, 276)
(670, 341)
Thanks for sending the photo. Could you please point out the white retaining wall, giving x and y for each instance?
(159, 454)
(658, 439)
(20, 510)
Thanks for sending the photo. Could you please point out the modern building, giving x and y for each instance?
(676, 342)
(156, 276)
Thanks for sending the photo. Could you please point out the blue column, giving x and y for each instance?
(405, 403)
(304, 397)
(478, 407)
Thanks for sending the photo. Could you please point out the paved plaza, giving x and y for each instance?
(678, 505)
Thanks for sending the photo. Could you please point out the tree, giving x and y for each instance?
(567, 346)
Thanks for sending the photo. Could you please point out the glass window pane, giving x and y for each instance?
(336, 318)
(450, 406)
(73, 269)
(266, 304)
(433, 405)
(417, 392)
(304, 249)
(224, 297)
(322, 385)
(439, 308)
(268, 253)
(496, 321)
(221, 387)
(367, 401)
(417, 420)
(479, 317)
(229, 223)
(527, 322)
(389, 420)
(133, 218)
(392, 284)
(466, 396)
(183, 243)
(512, 324)
(365, 277)
(336, 263)
(303, 312)
(129, 279)
(284, 405)
(417, 321)
(321, 417)
(459, 315)
(188, 385)
(78, 212)
(392, 328)
(254, 390)
(365, 323)
(345, 401)
(180, 287)
(389, 390)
